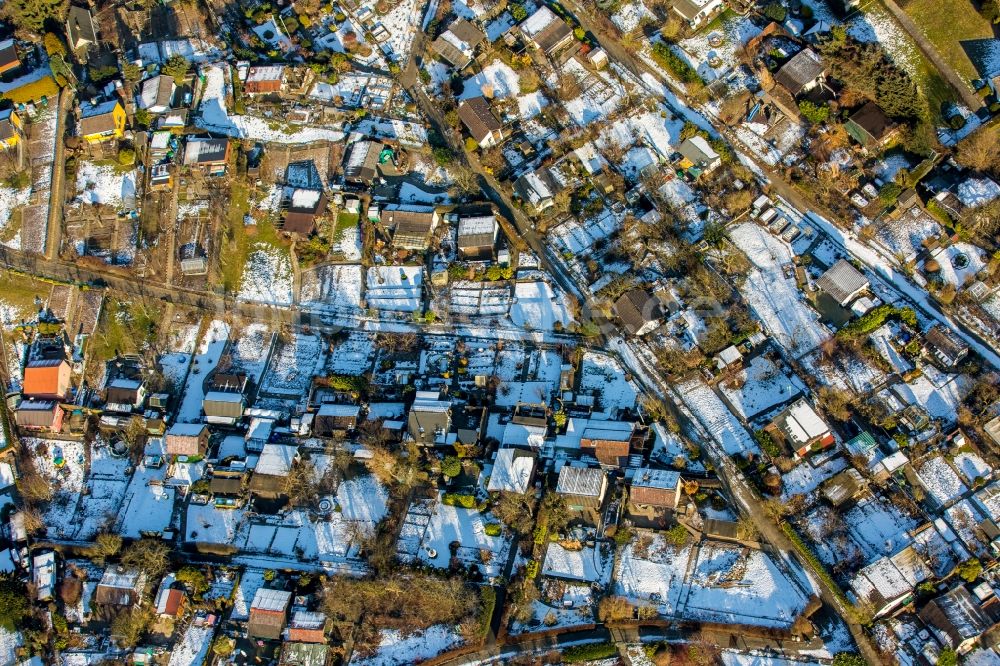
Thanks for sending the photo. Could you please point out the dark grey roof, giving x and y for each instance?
(842, 281)
(804, 68)
(478, 117)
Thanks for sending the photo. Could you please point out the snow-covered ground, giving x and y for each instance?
(207, 357)
(353, 355)
(395, 288)
(213, 115)
(775, 299)
(430, 527)
(104, 184)
(716, 418)
(498, 81)
(941, 481)
(331, 288)
(538, 306)
(267, 276)
(602, 375)
(193, 646)
(397, 648)
(759, 387)
(960, 263)
(293, 365)
(11, 200)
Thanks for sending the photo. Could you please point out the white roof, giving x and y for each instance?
(512, 471)
(223, 396)
(265, 73)
(538, 21)
(270, 600)
(186, 429)
(515, 434)
(276, 459)
(664, 479)
(803, 423)
(329, 409)
(305, 198)
(483, 224)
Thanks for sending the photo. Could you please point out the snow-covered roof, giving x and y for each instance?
(583, 565)
(512, 471)
(276, 459)
(186, 429)
(265, 73)
(803, 424)
(330, 409)
(223, 396)
(270, 600)
(663, 479)
(585, 481)
(306, 199)
(538, 21)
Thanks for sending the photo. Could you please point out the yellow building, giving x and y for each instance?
(35, 87)
(103, 121)
(11, 129)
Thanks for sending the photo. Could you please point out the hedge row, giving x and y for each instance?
(589, 652)
(874, 318)
(677, 66)
(455, 499)
(818, 567)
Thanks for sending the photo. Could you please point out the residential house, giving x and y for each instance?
(804, 429)
(272, 470)
(43, 570)
(102, 122)
(156, 94)
(582, 489)
(697, 13)
(844, 487)
(11, 130)
(513, 471)
(957, 618)
(306, 627)
(46, 378)
(334, 419)
(477, 237)
(945, 346)
(187, 439)
(697, 154)
(268, 612)
(470, 423)
(80, 31)
(37, 87)
(479, 119)
(264, 79)
(124, 395)
(429, 420)
(9, 58)
(210, 156)
(843, 282)
(39, 415)
(537, 188)
(227, 482)
(802, 73)
(361, 162)
(887, 583)
(870, 127)
(656, 488)
(458, 43)
(302, 207)
(546, 31)
(119, 589)
(638, 310)
(412, 226)
(609, 441)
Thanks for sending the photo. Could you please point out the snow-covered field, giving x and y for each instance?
(498, 81)
(775, 299)
(331, 288)
(207, 357)
(938, 393)
(191, 649)
(430, 527)
(902, 237)
(104, 184)
(11, 200)
(267, 276)
(538, 306)
(971, 259)
(941, 481)
(250, 349)
(293, 365)
(397, 648)
(716, 418)
(395, 288)
(353, 355)
(759, 387)
(603, 375)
